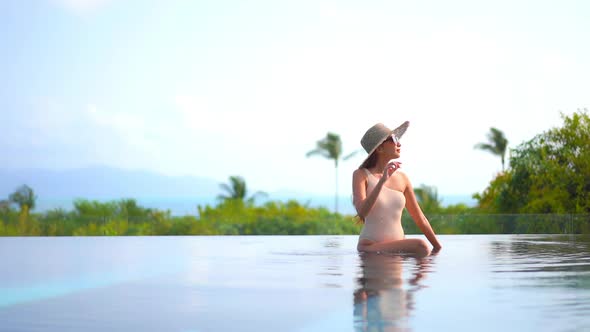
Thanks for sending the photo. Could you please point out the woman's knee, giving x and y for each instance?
(422, 248)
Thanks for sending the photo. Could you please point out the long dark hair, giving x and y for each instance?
(370, 162)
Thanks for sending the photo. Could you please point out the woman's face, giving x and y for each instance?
(393, 146)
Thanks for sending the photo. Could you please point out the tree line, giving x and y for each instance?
(233, 216)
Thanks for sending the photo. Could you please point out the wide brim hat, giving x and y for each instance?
(377, 134)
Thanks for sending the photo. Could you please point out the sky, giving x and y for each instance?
(221, 88)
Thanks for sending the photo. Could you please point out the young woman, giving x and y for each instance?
(380, 193)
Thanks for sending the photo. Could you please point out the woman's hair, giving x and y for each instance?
(357, 219)
(371, 161)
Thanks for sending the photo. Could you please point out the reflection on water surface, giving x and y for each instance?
(383, 299)
(293, 283)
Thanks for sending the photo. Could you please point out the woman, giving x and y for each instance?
(380, 193)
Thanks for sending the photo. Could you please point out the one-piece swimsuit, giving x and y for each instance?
(383, 223)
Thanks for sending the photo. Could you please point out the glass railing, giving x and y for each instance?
(505, 224)
(237, 224)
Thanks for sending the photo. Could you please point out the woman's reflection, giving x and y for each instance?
(381, 301)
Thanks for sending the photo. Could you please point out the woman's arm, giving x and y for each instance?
(362, 203)
(419, 217)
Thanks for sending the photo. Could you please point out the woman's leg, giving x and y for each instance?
(417, 247)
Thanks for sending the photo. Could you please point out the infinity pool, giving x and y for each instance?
(292, 283)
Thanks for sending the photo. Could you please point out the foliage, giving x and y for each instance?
(497, 144)
(4, 205)
(237, 190)
(329, 147)
(428, 199)
(23, 197)
(278, 218)
(548, 174)
(236, 217)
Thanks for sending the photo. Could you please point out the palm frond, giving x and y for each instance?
(486, 147)
(497, 144)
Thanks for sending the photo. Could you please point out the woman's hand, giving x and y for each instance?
(390, 168)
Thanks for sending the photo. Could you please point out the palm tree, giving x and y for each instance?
(4, 205)
(496, 145)
(23, 196)
(237, 190)
(330, 147)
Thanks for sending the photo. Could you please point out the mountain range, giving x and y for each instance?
(180, 194)
(105, 182)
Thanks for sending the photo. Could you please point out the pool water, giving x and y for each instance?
(293, 283)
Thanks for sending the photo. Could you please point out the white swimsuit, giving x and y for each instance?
(384, 221)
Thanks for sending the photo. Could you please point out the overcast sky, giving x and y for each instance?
(220, 88)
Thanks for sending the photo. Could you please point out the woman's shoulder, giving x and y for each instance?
(360, 173)
(403, 176)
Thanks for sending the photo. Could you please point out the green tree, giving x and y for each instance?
(330, 147)
(4, 205)
(428, 199)
(23, 196)
(129, 208)
(497, 144)
(548, 174)
(237, 190)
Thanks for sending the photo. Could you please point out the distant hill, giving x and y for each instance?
(105, 182)
(179, 194)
